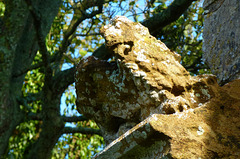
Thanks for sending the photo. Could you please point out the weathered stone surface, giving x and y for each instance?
(222, 38)
(179, 116)
(142, 141)
(209, 131)
(145, 78)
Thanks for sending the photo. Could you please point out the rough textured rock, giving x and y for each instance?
(209, 131)
(222, 38)
(144, 77)
(149, 103)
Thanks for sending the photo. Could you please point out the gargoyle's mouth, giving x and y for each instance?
(115, 123)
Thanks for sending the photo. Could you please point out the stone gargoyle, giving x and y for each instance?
(142, 78)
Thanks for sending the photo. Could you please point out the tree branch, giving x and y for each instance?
(35, 66)
(41, 39)
(31, 97)
(171, 14)
(81, 130)
(38, 116)
(86, 4)
(34, 116)
(90, 34)
(74, 118)
(71, 30)
(63, 79)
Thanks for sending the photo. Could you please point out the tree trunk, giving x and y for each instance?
(11, 31)
(18, 43)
